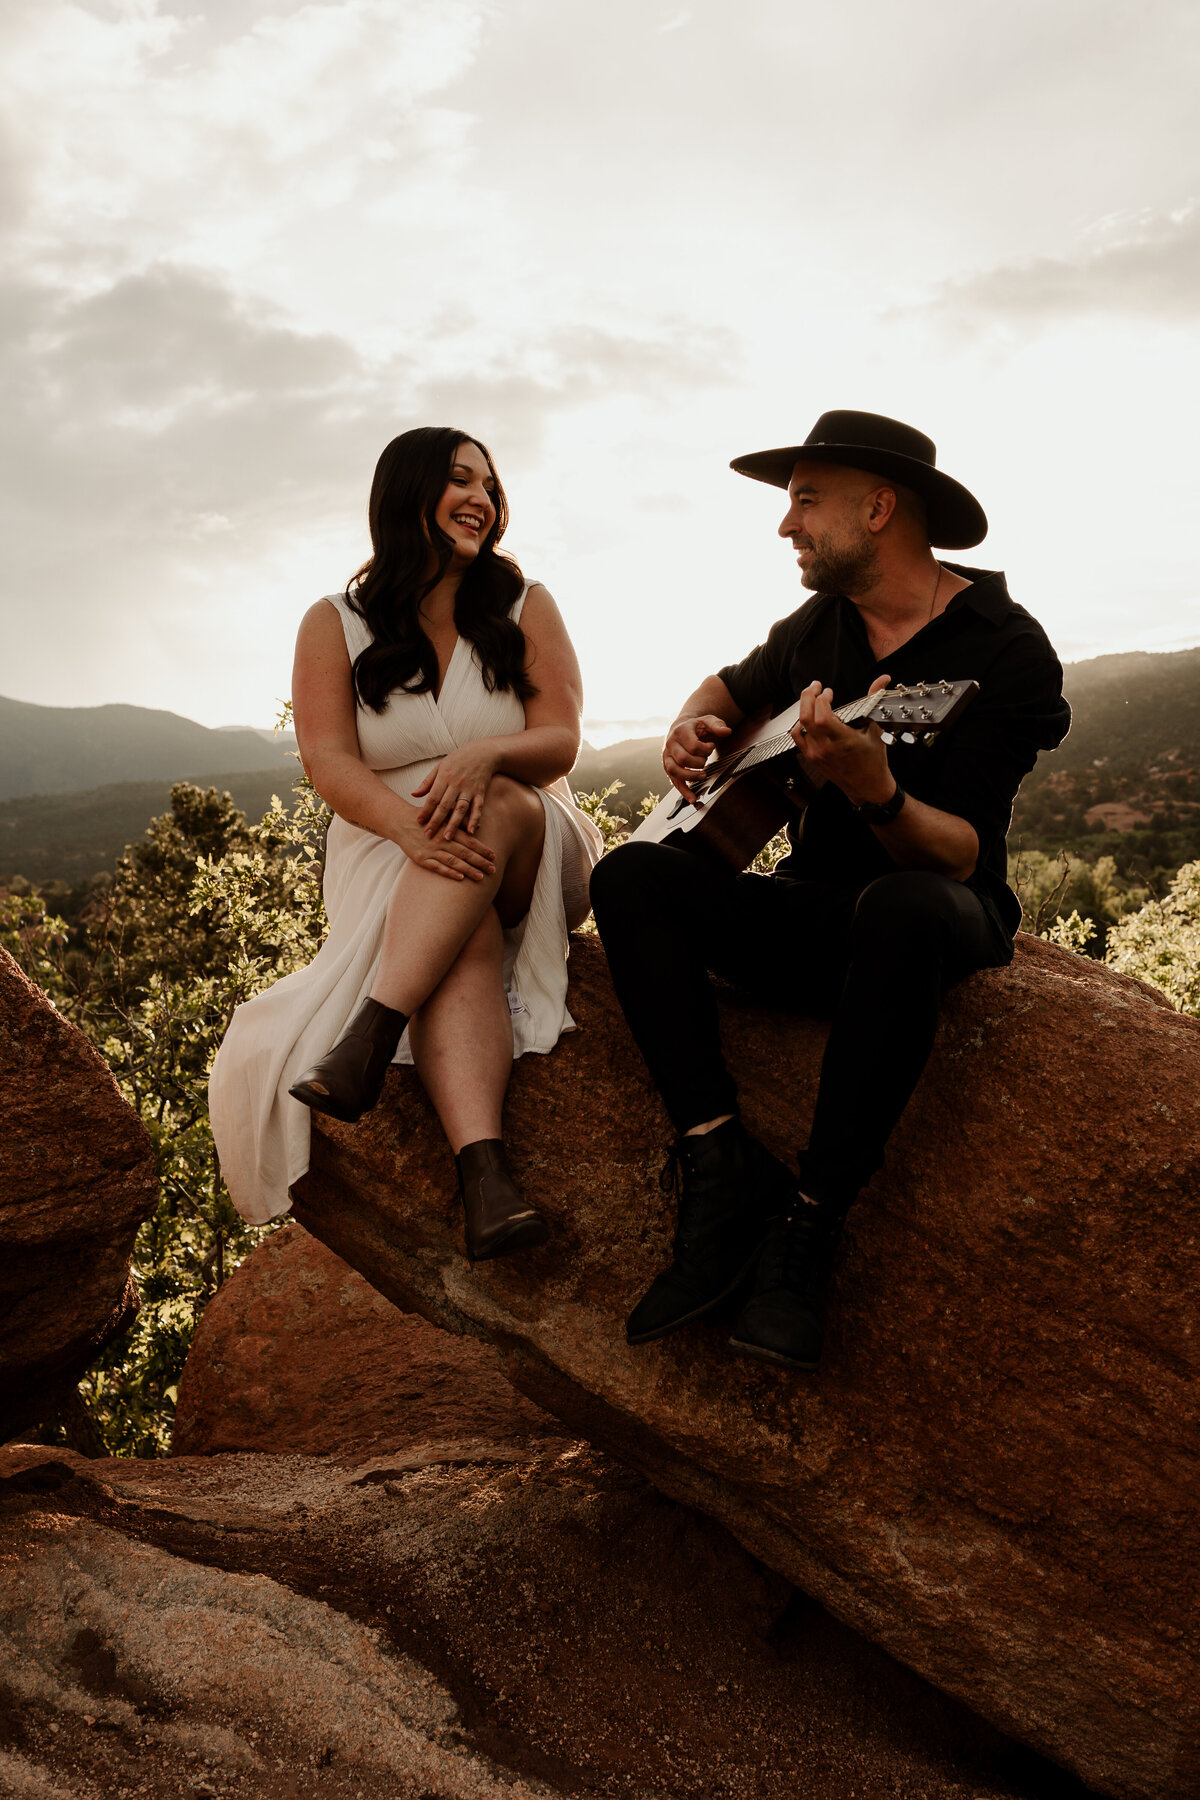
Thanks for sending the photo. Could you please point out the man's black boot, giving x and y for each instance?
(784, 1319)
(729, 1190)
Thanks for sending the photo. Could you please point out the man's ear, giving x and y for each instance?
(881, 505)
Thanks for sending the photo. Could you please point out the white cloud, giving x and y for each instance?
(1146, 268)
(173, 444)
(259, 236)
(170, 142)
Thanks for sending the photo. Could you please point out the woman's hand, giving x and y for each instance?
(456, 790)
(459, 857)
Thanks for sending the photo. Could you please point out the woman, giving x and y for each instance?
(437, 708)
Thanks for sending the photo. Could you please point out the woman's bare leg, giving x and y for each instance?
(462, 1039)
(430, 918)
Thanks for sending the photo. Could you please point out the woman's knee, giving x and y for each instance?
(513, 805)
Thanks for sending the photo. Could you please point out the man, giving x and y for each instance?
(894, 888)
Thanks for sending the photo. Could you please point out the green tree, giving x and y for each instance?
(1051, 888)
(201, 914)
(1160, 943)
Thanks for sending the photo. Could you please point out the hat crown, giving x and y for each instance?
(886, 447)
(872, 431)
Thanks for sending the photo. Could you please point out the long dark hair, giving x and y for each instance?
(410, 478)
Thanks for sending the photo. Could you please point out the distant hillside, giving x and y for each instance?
(1133, 708)
(1126, 781)
(636, 763)
(61, 749)
(71, 837)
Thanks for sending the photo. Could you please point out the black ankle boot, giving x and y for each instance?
(348, 1080)
(499, 1218)
(730, 1189)
(784, 1319)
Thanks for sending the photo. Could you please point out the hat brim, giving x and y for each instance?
(956, 519)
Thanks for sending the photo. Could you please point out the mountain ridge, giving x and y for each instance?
(47, 750)
(1134, 745)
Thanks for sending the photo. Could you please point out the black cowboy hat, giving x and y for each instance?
(860, 440)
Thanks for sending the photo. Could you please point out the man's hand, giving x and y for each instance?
(688, 747)
(855, 761)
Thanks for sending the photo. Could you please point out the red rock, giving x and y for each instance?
(77, 1178)
(994, 1473)
(297, 1354)
(278, 1626)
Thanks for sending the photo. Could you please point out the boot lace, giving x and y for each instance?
(795, 1252)
(670, 1176)
(691, 1229)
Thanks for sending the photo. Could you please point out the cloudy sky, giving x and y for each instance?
(246, 243)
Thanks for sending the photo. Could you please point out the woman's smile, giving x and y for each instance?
(466, 511)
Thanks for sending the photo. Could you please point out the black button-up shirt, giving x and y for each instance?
(972, 770)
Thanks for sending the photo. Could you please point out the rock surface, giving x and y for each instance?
(76, 1180)
(993, 1475)
(275, 1626)
(468, 1615)
(297, 1354)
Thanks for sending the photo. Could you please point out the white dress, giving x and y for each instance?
(261, 1133)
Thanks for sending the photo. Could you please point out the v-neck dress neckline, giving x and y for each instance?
(458, 644)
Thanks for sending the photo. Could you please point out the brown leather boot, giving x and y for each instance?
(348, 1080)
(499, 1218)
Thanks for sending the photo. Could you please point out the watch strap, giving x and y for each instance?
(882, 812)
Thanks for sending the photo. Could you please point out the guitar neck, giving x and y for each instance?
(735, 818)
(780, 741)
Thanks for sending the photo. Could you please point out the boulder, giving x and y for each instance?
(297, 1354)
(547, 1625)
(77, 1178)
(993, 1475)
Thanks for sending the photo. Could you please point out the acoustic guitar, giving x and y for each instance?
(758, 783)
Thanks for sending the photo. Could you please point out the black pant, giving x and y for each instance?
(872, 959)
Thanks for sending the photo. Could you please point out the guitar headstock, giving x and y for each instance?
(921, 709)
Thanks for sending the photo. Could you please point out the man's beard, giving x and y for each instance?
(845, 568)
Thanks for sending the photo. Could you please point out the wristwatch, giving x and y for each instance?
(882, 812)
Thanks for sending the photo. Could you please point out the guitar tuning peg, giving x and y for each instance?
(889, 737)
(906, 737)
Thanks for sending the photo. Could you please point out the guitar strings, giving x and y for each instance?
(775, 746)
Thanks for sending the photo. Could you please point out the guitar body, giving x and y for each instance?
(758, 783)
(734, 818)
